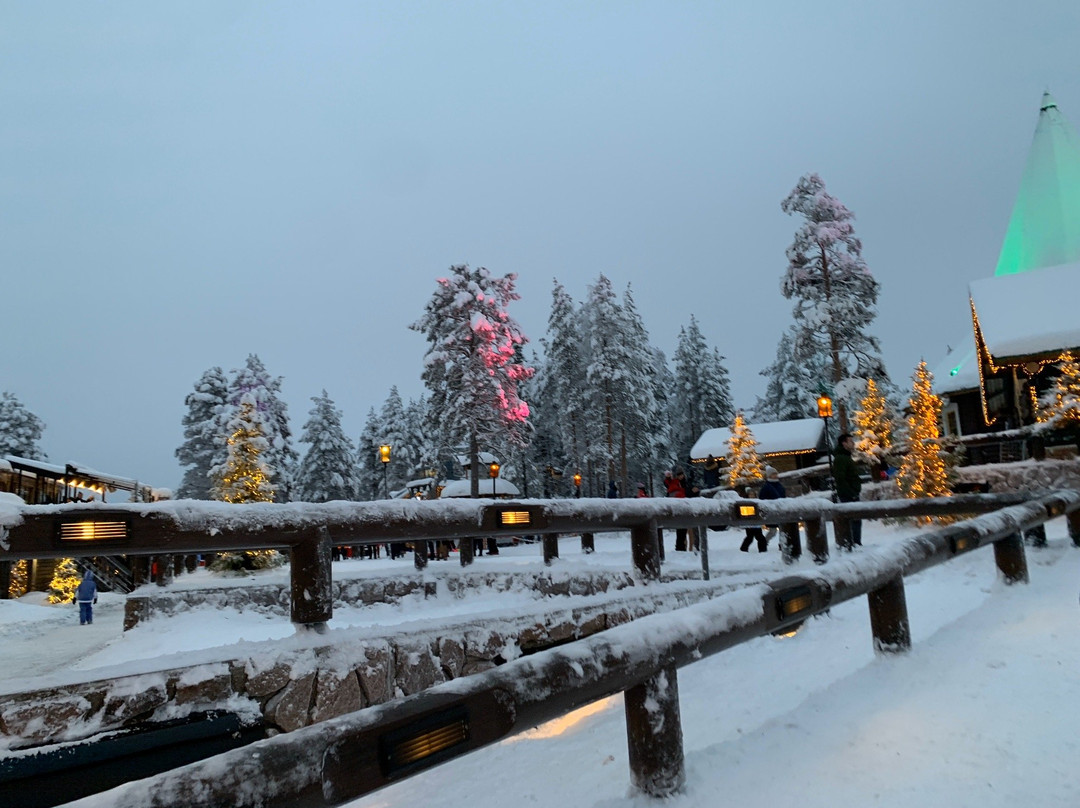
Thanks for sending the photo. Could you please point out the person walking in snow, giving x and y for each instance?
(772, 488)
(86, 597)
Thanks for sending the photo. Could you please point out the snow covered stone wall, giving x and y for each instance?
(274, 599)
(309, 678)
(1026, 475)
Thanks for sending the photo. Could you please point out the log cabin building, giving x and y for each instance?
(1024, 317)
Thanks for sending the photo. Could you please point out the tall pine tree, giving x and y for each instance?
(280, 457)
(744, 465)
(835, 294)
(874, 429)
(20, 430)
(795, 380)
(562, 426)
(368, 467)
(202, 441)
(702, 396)
(245, 476)
(328, 470)
(473, 365)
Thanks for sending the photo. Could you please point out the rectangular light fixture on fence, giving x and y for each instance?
(93, 531)
(794, 601)
(961, 544)
(514, 517)
(434, 739)
(745, 510)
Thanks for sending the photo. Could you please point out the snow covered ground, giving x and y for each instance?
(980, 712)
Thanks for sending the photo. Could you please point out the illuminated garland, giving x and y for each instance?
(744, 465)
(922, 472)
(1062, 401)
(983, 354)
(873, 426)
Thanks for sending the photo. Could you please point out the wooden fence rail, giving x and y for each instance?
(307, 531)
(330, 763)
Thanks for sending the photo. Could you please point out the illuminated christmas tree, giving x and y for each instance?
(923, 472)
(244, 476)
(64, 582)
(1060, 405)
(20, 582)
(744, 465)
(874, 429)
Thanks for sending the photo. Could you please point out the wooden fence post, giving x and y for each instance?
(842, 533)
(703, 545)
(5, 579)
(790, 542)
(654, 734)
(817, 540)
(312, 595)
(164, 569)
(1074, 527)
(465, 551)
(645, 548)
(1036, 536)
(140, 569)
(889, 617)
(1010, 559)
(588, 544)
(550, 541)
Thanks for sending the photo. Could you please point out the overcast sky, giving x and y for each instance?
(183, 184)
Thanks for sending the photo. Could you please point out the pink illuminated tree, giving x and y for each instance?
(474, 366)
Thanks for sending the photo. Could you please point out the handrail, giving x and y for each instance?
(344, 758)
(308, 530)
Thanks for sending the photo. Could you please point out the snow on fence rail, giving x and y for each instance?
(346, 757)
(307, 531)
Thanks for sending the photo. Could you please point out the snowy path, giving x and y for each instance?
(59, 641)
(980, 713)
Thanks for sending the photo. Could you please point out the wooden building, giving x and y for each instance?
(784, 445)
(1024, 317)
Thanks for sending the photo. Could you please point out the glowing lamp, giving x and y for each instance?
(93, 531)
(824, 407)
(493, 470)
(384, 453)
(424, 742)
(745, 510)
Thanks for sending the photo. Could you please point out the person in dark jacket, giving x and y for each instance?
(86, 597)
(711, 472)
(846, 477)
(772, 488)
(612, 490)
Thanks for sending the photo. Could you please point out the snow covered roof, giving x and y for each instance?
(780, 437)
(1028, 315)
(484, 457)
(423, 482)
(460, 488)
(1044, 229)
(958, 371)
(25, 464)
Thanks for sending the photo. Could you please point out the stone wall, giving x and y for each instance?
(1027, 475)
(351, 670)
(274, 599)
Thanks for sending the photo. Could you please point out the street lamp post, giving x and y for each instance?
(384, 456)
(824, 411)
(493, 473)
